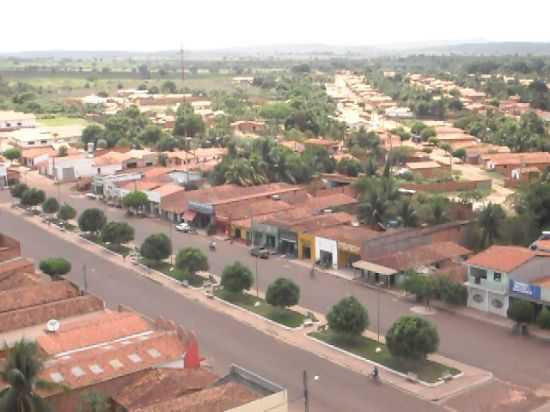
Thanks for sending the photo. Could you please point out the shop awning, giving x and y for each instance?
(373, 267)
(189, 215)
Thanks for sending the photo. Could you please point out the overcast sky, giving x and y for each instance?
(163, 24)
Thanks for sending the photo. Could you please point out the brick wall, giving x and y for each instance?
(450, 186)
(9, 248)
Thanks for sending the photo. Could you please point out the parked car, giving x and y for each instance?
(183, 227)
(260, 252)
(91, 195)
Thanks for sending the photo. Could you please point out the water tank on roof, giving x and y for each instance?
(53, 325)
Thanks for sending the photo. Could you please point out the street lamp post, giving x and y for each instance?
(305, 381)
(85, 277)
(378, 314)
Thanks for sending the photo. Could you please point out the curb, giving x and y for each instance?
(353, 355)
(298, 328)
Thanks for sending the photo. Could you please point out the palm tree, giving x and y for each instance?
(490, 219)
(407, 213)
(370, 167)
(438, 211)
(373, 208)
(21, 371)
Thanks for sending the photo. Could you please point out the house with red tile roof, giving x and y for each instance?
(506, 163)
(502, 273)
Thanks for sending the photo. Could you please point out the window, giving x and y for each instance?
(478, 274)
(497, 277)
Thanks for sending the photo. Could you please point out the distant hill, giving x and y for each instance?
(306, 51)
(490, 49)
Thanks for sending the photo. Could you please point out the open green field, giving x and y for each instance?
(426, 370)
(62, 121)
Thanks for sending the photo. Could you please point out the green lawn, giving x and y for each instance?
(118, 249)
(172, 271)
(62, 121)
(427, 371)
(286, 317)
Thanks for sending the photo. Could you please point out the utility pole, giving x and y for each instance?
(85, 277)
(306, 392)
(181, 62)
(378, 315)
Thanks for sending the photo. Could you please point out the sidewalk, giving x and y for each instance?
(471, 376)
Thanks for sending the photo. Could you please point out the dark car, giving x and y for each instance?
(260, 252)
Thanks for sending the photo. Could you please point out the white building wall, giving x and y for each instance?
(327, 245)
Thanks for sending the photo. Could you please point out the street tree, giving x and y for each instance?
(169, 86)
(412, 337)
(283, 293)
(135, 200)
(55, 267)
(407, 213)
(92, 134)
(236, 278)
(191, 260)
(151, 135)
(423, 287)
(117, 233)
(12, 154)
(521, 311)
(21, 372)
(62, 151)
(33, 197)
(490, 221)
(92, 220)
(348, 317)
(66, 212)
(156, 247)
(18, 189)
(50, 205)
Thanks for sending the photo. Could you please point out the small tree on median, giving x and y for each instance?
(33, 197)
(66, 212)
(423, 287)
(236, 278)
(92, 220)
(156, 247)
(348, 317)
(135, 200)
(191, 260)
(18, 190)
(283, 293)
(521, 312)
(412, 337)
(117, 233)
(55, 267)
(50, 205)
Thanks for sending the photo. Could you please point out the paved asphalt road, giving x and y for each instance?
(223, 339)
(511, 358)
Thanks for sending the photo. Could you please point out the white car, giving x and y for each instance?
(91, 195)
(183, 227)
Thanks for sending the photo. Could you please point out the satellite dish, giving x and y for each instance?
(53, 325)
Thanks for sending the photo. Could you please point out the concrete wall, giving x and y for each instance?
(450, 186)
(536, 268)
(327, 245)
(9, 248)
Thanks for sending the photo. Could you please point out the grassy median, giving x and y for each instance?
(174, 272)
(426, 370)
(284, 316)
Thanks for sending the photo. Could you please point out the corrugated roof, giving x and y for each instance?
(354, 235)
(45, 292)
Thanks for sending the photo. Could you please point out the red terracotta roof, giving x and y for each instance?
(421, 255)
(353, 235)
(519, 158)
(159, 385)
(14, 265)
(219, 398)
(105, 362)
(502, 258)
(61, 309)
(107, 326)
(46, 292)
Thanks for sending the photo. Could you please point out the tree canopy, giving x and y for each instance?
(412, 337)
(117, 233)
(55, 266)
(50, 205)
(283, 293)
(236, 278)
(92, 220)
(135, 200)
(156, 247)
(348, 317)
(191, 260)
